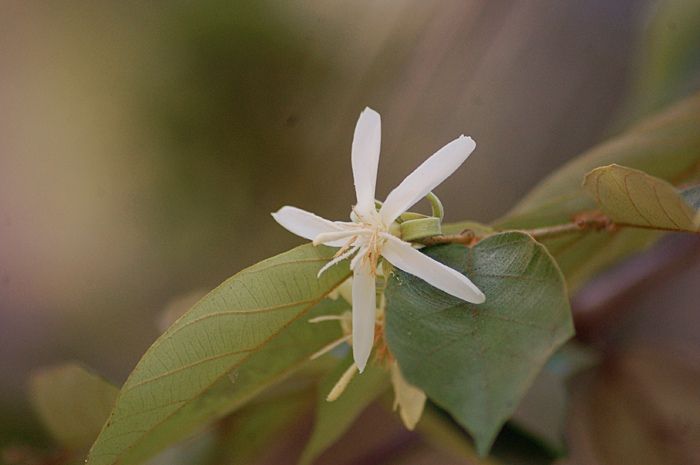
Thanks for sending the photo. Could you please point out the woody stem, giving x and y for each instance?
(586, 222)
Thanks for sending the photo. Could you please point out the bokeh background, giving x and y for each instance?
(144, 144)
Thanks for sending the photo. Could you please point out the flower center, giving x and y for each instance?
(371, 242)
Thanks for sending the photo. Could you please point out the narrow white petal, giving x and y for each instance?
(365, 158)
(335, 237)
(364, 307)
(426, 177)
(403, 256)
(305, 224)
(343, 235)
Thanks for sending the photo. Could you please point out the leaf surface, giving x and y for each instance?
(242, 337)
(477, 361)
(632, 197)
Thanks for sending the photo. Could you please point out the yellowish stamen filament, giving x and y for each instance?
(330, 347)
(342, 383)
(346, 247)
(319, 319)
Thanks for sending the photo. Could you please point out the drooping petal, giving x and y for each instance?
(409, 399)
(364, 307)
(426, 177)
(403, 256)
(306, 225)
(365, 158)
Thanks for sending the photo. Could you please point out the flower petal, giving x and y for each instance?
(364, 308)
(407, 398)
(426, 177)
(306, 225)
(365, 158)
(342, 236)
(403, 256)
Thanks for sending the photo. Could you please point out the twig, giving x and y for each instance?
(587, 221)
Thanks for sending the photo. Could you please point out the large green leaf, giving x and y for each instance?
(72, 403)
(282, 356)
(477, 361)
(334, 418)
(242, 337)
(666, 146)
(632, 197)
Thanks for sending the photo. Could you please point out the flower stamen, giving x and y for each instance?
(322, 318)
(327, 348)
(337, 259)
(342, 383)
(344, 248)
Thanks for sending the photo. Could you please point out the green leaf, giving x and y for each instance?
(632, 197)
(334, 418)
(666, 146)
(282, 356)
(245, 335)
(72, 403)
(477, 361)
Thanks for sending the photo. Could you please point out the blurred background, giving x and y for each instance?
(144, 144)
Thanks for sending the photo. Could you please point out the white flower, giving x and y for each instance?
(367, 236)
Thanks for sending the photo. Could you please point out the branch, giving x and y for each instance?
(587, 221)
